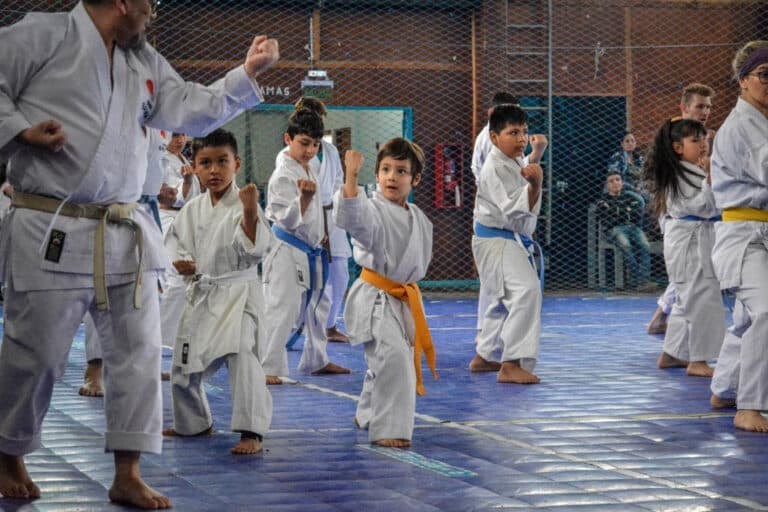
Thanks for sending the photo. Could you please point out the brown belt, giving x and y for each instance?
(118, 213)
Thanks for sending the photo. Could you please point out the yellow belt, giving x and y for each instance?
(745, 215)
(423, 343)
(119, 213)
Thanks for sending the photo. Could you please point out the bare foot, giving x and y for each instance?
(273, 380)
(658, 324)
(699, 369)
(332, 369)
(171, 432)
(246, 447)
(511, 372)
(336, 336)
(478, 364)
(93, 385)
(667, 361)
(722, 403)
(165, 376)
(393, 443)
(14, 480)
(750, 420)
(133, 491)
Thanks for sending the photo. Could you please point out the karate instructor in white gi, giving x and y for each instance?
(77, 91)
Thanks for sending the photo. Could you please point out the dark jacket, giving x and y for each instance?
(621, 210)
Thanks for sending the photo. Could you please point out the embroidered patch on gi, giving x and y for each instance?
(300, 276)
(55, 246)
(184, 353)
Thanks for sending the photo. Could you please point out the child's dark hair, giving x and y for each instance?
(313, 104)
(503, 98)
(217, 138)
(402, 149)
(663, 169)
(504, 115)
(305, 122)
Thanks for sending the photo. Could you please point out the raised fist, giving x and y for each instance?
(533, 174)
(249, 196)
(261, 55)
(307, 188)
(538, 142)
(353, 162)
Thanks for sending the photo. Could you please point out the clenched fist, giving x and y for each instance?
(353, 162)
(307, 188)
(185, 267)
(533, 175)
(48, 134)
(261, 55)
(249, 196)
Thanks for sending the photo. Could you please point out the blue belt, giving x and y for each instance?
(716, 218)
(151, 201)
(312, 255)
(528, 243)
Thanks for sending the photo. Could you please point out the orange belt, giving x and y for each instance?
(423, 343)
(745, 215)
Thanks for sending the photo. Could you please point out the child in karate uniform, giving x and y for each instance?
(677, 171)
(221, 237)
(295, 272)
(507, 204)
(392, 241)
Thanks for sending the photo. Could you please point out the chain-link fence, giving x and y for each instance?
(585, 70)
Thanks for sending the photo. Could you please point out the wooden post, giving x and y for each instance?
(316, 36)
(475, 92)
(628, 69)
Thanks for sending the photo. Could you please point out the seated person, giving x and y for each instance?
(620, 213)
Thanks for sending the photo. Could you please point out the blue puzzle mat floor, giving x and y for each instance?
(606, 430)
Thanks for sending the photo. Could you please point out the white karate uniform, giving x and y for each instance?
(482, 149)
(172, 177)
(696, 326)
(286, 274)
(223, 320)
(725, 381)
(331, 179)
(740, 255)
(511, 328)
(152, 182)
(397, 243)
(55, 66)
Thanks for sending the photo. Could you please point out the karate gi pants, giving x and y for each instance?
(753, 294)
(696, 326)
(39, 328)
(172, 307)
(512, 322)
(284, 300)
(668, 299)
(251, 401)
(387, 404)
(336, 287)
(725, 381)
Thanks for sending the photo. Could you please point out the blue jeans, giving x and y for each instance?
(637, 252)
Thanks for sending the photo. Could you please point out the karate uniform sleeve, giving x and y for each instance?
(180, 233)
(253, 252)
(26, 47)
(285, 202)
(196, 109)
(355, 216)
(512, 200)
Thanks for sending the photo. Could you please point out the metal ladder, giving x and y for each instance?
(529, 74)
